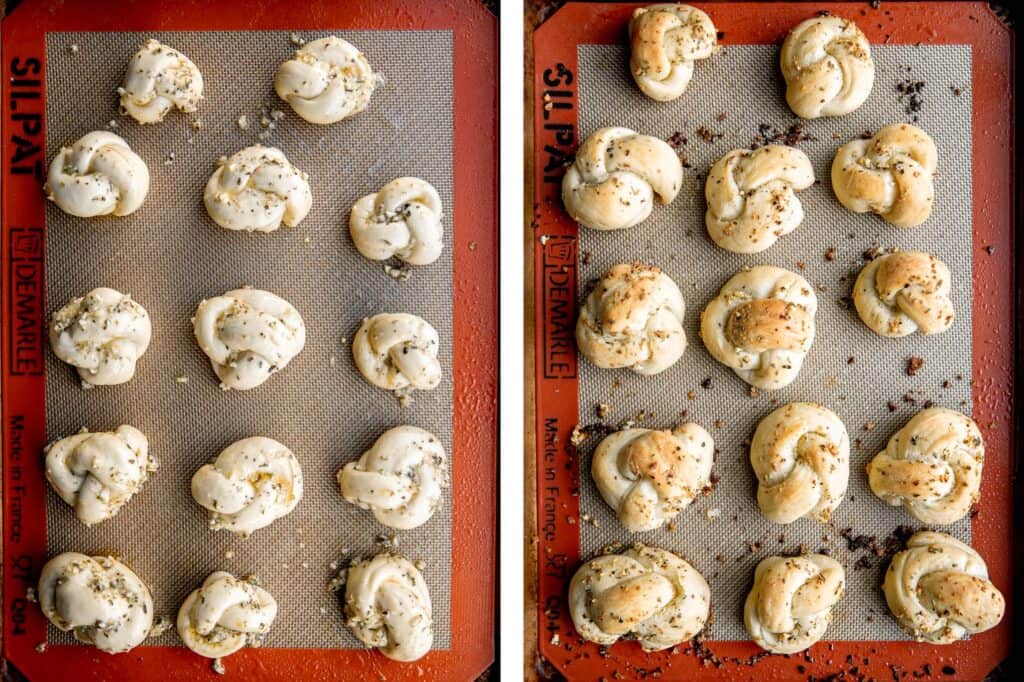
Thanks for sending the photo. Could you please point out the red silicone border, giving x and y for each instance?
(555, 120)
(474, 444)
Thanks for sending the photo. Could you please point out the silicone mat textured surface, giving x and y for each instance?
(170, 255)
(849, 369)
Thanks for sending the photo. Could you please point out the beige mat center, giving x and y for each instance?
(169, 255)
(743, 84)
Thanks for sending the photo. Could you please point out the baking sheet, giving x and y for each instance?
(743, 83)
(169, 255)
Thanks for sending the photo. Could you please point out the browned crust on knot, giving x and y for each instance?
(904, 269)
(768, 324)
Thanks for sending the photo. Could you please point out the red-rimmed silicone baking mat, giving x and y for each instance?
(473, 32)
(556, 122)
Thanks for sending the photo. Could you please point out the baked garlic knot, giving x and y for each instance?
(99, 599)
(326, 81)
(648, 477)
(616, 175)
(97, 473)
(665, 40)
(401, 220)
(97, 175)
(827, 64)
(751, 196)
(248, 335)
(645, 593)
(790, 605)
(932, 466)
(160, 78)
(387, 606)
(938, 589)
(633, 318)
(102, 334)
(398, 351)
(256, 190)
(889, 174)
(224, 615)
(761, 325)
(903, 292)
(801, 457)
(400, 479)
(252, 483)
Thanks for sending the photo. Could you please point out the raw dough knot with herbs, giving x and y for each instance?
(102, 334)
(790, 605)
(252, 483)
(402, 220)
(665, 40)
(932, 466)
(400, 479)
(761, 325)
(98, 175)
(903, 292)
(890, 174)
(225, 614)
(387, 606)
(97, 473)
(248, 335)
(256, 190)
(645, 593)
(158, 79)
(939, 590)
(801, 457)
(98, 599)
(326, 81)
(398, 351)
(633, 318)
(616, 176)
(751, 196)
(649, 476)
(827, 64)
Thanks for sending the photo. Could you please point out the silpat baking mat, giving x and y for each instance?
(849, 369)
(169, 255)
(736, 101)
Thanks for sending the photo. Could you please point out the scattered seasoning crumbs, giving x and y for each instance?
(791, 136)
(399, 274)
(830, 254)
(914, 365)
(707, 135)
(676, 140)
(910, 96)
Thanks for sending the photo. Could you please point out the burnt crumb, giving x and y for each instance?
(946, 383)
(707, 384)
(791, 136)
(948, 670)
(862, 563)
(990, 249)
(676, 140)
(721, 35)
(875, 4)
(850, 360)
(910, 95)
(872, 253)
(707, 135)
(823, 13)
(585, 257)
(914, 365)
(891, 405)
